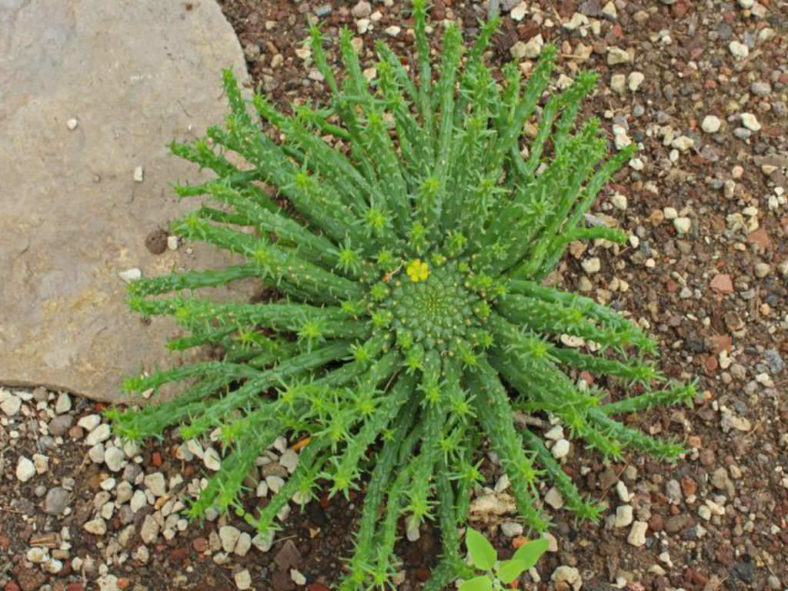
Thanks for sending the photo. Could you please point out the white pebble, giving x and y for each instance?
(711, 124)
(618, 83)
(289, 460)
(682, 225)
(243, 580)
(635, 80)
(619, 201)
(97, 527)
(622, 492)
(637, 535)
(623, 516)
(738, 50)
(98, 435)
(297, 577)
(139, 174)
(89, 422)
(554, 497)
(263, 542)
(229, 535)
(114, 458)
(211, 459)
(63, 403)
(25, 470)
(37, 555)
(172, 242)
(592, 265)
(41, 463)
(511, 529)
(138, 500)
(750, 122)
(130, 275)
(72, 124)
(156, 483)
(560, 449)
(243, 544)
(518, 12)
(275, 483)
(10, 404)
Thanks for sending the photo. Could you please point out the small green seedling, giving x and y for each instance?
(485, 558)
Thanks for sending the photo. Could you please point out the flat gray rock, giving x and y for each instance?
(132, 75)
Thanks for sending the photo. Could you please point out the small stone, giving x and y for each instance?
(72, 124)
(560, 449)
(609, 10)
(99, 434)
(704, 512)
(56, 501)
(746, 4)
(60, 425)
(149, 530)
(578, 20)
(738, 50)
(25, 469)
(568, 577)
(96, 453)
(97, 527)
(637, 535)
(139, 174)
(41, 463)
(592, 265)
(243, 580)
(63, 403)
(622, 492)
(518, 12)
(619, 201)
(623, 516)
(89, 422)
(263, 542)
(392, 31)
(275, 483)
(616, 55)
(130, 275)
(682, 225)
(673, 491)
(211, 459)
(511, 529)
(229, 536)
(554, 498)
(762, 270)
(11, 404)
(529, 50)
(156, 483)
(361, 10)
(635, 80)
(722, 283)
(323, 10)
(138, 501)
(750, 122)
(618, 83)
(114, 458)
(289, 460)
(761, 88)
(37, 555)
(682, 143)
(297, 577)
(711, 124)
(243, 544)
(172, 242)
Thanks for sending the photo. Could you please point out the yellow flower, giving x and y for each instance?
(417, 270)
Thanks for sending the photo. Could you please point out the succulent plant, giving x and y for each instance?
(406, 228)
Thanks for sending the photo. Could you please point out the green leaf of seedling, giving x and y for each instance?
(509, 570)
(529, 553)
(482, 554)
(482, 583)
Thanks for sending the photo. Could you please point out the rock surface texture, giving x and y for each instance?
(90, 93)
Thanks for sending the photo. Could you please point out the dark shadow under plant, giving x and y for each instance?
(413, 321)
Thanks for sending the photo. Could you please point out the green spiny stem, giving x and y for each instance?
(541, 316)
(587, 306)
(309, 464)
(206, 418)
(190, 280)
(401, 440)
(676, 394)
(574, 501)
(667, 450)
(494, 412)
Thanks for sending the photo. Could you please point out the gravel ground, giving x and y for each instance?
(701, 87)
